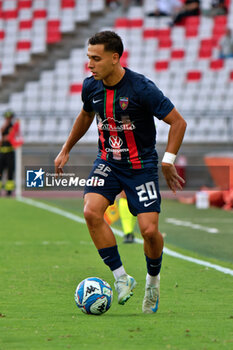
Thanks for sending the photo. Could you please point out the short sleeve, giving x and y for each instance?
(87, 105)
(154, 100)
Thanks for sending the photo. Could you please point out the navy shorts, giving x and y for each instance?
(140, 185)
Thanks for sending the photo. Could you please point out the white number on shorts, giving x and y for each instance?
(102, 169)
(146, 191)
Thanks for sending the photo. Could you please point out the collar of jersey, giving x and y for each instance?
(120, 83)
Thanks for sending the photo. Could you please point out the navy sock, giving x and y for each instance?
(154, 265)
(111, 257)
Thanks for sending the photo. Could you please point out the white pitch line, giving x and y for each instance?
(120, 233)
(192, 225)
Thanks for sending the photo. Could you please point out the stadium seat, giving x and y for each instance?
(161, 65)
(135, 12)
(67, 16)
(177, 54)
(39, 22)
(49, 129)
(97, 6)
(216, 64)
(17, 102)
(33, 129)
(149, 6)
(194, 76)
(53, 31)
(150, 33)
(75, 89)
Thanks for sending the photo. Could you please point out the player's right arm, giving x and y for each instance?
(80, 127)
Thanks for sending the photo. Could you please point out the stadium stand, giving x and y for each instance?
(26, 26)
(182, 60)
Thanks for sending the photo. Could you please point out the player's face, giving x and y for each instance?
(101, 62)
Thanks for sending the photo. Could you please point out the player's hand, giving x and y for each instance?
(174, 181)
(60, 161)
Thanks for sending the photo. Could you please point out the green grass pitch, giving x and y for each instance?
(44, 256)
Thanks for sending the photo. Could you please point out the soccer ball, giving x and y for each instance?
(93, 296)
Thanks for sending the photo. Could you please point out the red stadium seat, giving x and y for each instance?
(211, 42)
(161, 65)
(177, 54)
(136, 23)
(40, 14)
(122, 22)
(192, 26)
(150, 33)
(216, 64)
(75, 88)
(67, 4)
(206, 48)
(219, 28)
(2, 34)
(220, 21)
(53, 31)
(124, 59)
(192, 21)
(165, 43)
(23, 45)
(24, 4)
(205, 52)
(191, 32)
(25, 24)
(194, 76)
(10, 14)
(218, 32)
(53, 37)
(164, 33)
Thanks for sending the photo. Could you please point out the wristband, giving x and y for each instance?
(169, 158)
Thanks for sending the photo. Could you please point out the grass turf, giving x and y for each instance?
(43, 258)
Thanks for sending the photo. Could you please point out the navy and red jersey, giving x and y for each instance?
(125, 117)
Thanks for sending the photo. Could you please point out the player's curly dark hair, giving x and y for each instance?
(110, 40)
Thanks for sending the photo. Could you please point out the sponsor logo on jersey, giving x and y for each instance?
(124, 101)
(115, 141)
(96, 101)
(117, 151)
(119, 125)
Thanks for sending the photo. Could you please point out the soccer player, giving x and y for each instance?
(125, 103)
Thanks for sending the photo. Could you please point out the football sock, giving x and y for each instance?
(151, 280)
(127, 219)
(154, 265)
(119, 272)
(111, 257)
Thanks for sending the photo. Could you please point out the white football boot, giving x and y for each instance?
(124, 287)
(151, 299)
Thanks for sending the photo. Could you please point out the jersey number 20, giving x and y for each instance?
(146, 191)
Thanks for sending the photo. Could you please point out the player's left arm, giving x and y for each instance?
(175, 138)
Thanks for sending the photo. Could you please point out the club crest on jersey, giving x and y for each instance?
(124, 101)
